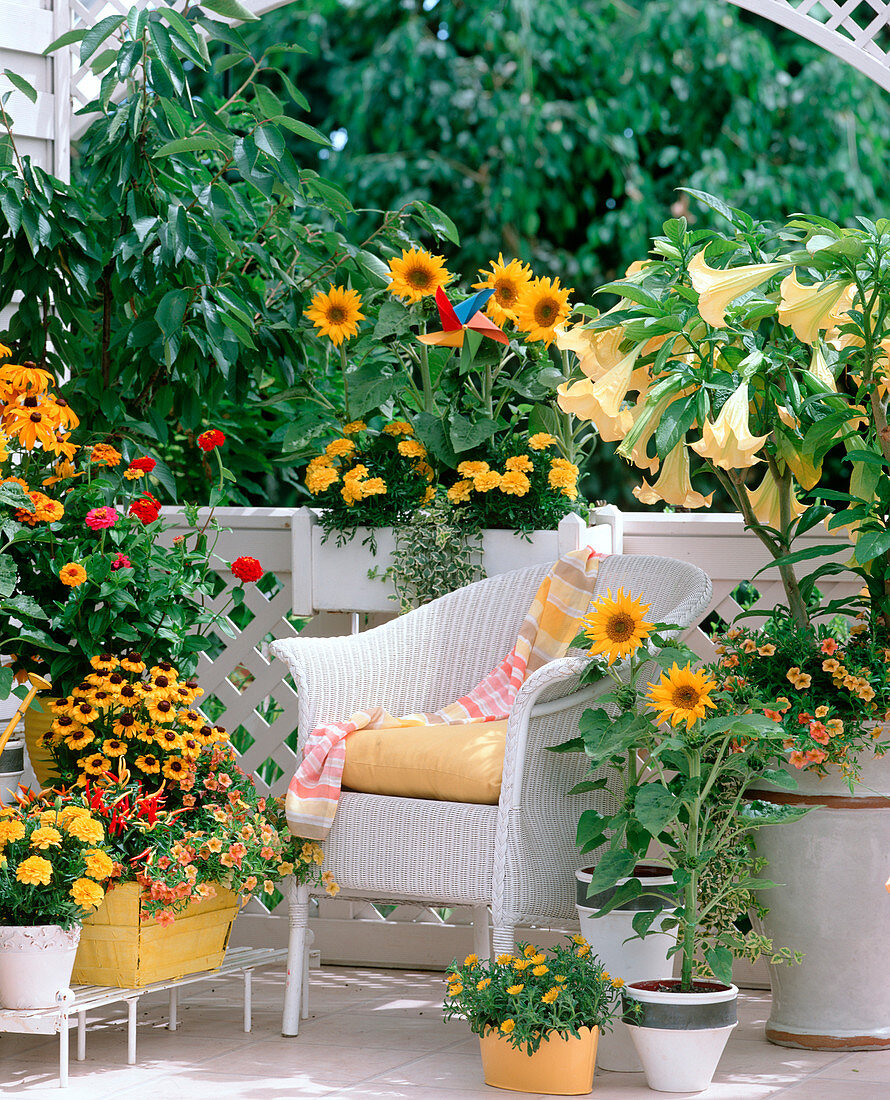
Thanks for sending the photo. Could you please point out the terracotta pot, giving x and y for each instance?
(35, 964)
(561, 1066)
(37, 723)
(831, 906)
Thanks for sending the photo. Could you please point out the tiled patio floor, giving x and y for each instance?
(372, 1034)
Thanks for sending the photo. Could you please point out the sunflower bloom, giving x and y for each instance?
(716, 288)
(616, 626)
(507, 281)
(806, 309)
(417, 274)
(728, 442)
(336, 314)
(681, 695)
(541, 306)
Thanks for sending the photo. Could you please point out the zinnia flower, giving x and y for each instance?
(72, 574)
(103, 454)
(417, 274)
(138, 467)
(210, 439)
(336, 314)
(507, 280)
(146, 509)
(247, 569)
(541, 306)
(99, 518)
(121, 562)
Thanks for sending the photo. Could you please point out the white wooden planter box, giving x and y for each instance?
(340, 580)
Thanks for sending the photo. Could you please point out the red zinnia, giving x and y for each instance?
(145, 464)
(247, 569)
(97, 518)
(121, 562)
(147, 508)
(210, 439)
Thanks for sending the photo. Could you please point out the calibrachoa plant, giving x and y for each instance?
(180, 814)
(82, 562)
(54, 863)
(830, 700)
(531, 995)
(516, 482)
(369, 478)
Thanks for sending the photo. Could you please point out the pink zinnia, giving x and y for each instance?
(101, 517)
(121, 562)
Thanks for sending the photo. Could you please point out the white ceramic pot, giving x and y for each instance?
(12, 768)
(680, 1037)
(35, 964)
(625, 956)
(832, 906)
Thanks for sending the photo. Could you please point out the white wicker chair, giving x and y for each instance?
(518, 857)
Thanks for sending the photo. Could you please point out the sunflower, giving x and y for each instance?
(507, 280)
(417, 274)
(541, 306)
(681, 695)
(616, 626)
(336, 314)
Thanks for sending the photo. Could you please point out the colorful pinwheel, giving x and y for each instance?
(457, 319)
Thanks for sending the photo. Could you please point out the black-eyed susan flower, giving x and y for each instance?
(114, 747)
(159, 710)
(80, 739)
(169, 740)
(104, 662)
(97, 764)
(133, 662)
(148, 763)
(176, 768)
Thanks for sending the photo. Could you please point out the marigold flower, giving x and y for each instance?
(99, 864)
(34, 871)
(320, 478)
(540, 441)
(45, 837)
(210, 439)
(374, 486)
(338, 447)
(354, 426)
(87, 894)
(99, 518)
(460, 491)
(398, 427)
(247, 569)
(72, 574)
(484, 483)
(10, 831)
(412, 448)
(514, 483)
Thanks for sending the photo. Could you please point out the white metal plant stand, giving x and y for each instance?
(73, 1004)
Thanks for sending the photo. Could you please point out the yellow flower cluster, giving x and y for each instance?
(119, 719)
(326, 470)
(30, 413)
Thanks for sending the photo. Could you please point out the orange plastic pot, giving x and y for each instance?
(561, 1066)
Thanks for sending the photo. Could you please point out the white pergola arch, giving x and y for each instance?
(854, 30)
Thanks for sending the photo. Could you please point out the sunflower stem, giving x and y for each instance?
(429, 401)
(343, 366)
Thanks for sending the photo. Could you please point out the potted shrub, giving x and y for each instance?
(191, 838)
(537, 1015)
(688, 804)
(54, 867)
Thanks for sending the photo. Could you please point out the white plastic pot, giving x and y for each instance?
(626, 956)
(12, 768)
(35, 964)
(681, 1036)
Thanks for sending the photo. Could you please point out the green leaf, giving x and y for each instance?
(25, 605)
(23, 86)
(612, 867)
(719, 959)
(302, 129)
(466, 434)
(188, 145)
(592, 826)
(66, 39)
(676, 420)
(230, 9)
(171, 311)
(97, 34)
(779, 778)
(270, 141)
(654, 807)
(7, 678)
(438, 221)
(8, 575)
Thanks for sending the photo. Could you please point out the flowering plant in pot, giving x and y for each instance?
(54, 864)
(687, 803)
(537, 1015)
(185, 824)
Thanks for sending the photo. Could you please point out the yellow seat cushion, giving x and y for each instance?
(446, 763)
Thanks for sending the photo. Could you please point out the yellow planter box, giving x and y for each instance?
(37, 723)
(561, 1066)
(118, 948)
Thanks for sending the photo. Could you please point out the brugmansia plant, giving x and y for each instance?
(750, 355)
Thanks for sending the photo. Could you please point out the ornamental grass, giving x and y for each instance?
(531, 995)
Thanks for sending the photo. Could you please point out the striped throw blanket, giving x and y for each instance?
(551, 623)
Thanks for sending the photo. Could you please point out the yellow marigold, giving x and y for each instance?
(412, 448)
(460, 491)
(541, 441)
(103, 454)
(99, 864)
(521, 464)
(45, 837)
(417, 274)
(374, 486)
(85, 828)
(472, 469)
(351, 492)
(87, 894)
(514, 989)
(507, 1026)
(398, 427)
(336, 313)
(540, 971)
(354, 426)
(484, 483)
(338, 447)
(515, 484)
(11, 830)
(563, 474)
(550, 996)
(35, 871)
(320, 478)
(72, 574)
